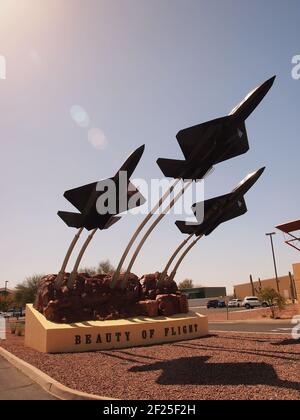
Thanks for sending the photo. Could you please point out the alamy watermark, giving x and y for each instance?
(119, 195)
(2, 328)
(2, 67)
(296, 68)
(296, 329)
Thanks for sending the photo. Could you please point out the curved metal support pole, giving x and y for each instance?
(151, 228)
(73, 275)
(60, 277)
(173, 256)
(183, 256)
(139, 229)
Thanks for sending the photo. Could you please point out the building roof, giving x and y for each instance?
(289, 227)
(256, 281)
(9, 291)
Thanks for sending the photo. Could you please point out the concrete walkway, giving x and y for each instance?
(16, 386)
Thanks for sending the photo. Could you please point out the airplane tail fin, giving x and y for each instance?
(111, 222)
(186, 228)
(171, 168)
(71, 219)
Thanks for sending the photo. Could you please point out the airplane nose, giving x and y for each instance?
(255, 176)
(261, 171)
(268, 84)
(272, 80)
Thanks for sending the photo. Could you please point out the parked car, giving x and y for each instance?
(251, 302)
(212, 304)
(235, 303)
(13, 313)
(9, 314)
(222, 304)
(216, 304)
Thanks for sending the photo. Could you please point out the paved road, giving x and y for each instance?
(276, 328)
(205, 311)
(16, 386)
(198, 304)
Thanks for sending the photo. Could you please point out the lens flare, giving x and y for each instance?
(97, 138)
(80, 116)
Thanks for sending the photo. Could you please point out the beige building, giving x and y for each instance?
(291, 231)
(289, 287)
(296, 268)
(286, 286)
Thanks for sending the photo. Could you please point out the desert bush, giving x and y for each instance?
(13, 327)
(274, 299)
(20, 330)
(186, 284)
(26, 291)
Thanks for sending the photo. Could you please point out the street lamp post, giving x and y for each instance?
(274, 259)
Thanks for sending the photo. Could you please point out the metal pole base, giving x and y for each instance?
(59, 280)
(72, 280)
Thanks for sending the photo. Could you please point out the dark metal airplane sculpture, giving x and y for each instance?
(216, 211)
(125, 196)
(203, 146)
(215, 141)
(85, 198)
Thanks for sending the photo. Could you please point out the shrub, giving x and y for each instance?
(19, 330)
(27, 291)
(13, 327)
(274, 299)
(105, 267)
(186, 284)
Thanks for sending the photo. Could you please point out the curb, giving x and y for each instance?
(254, 321)
(46, 382)
(250, 333)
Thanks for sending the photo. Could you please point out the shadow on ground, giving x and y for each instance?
(196, 371)
(288, 342)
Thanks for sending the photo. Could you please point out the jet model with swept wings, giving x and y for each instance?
(213, 142)
(125, 197)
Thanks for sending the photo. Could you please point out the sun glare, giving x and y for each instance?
(15, 14)
(12, 8)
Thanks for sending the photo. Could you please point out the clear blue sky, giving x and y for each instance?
(143, 70)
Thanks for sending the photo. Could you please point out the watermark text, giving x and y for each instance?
(296, 68)
(119, 195)
(296, 329)
(2, 328)
(2, 67)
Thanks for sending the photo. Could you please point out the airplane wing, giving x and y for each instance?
(79, 197)
(239, 143)
(171, 167)
(75, 220)
(187, 228)
(211, 205)
(200, 135)
(112, 221)
(238, 210)
(129, 199)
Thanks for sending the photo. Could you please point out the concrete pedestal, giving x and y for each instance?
(48, 337)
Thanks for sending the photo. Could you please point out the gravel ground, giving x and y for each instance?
(224, 366)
